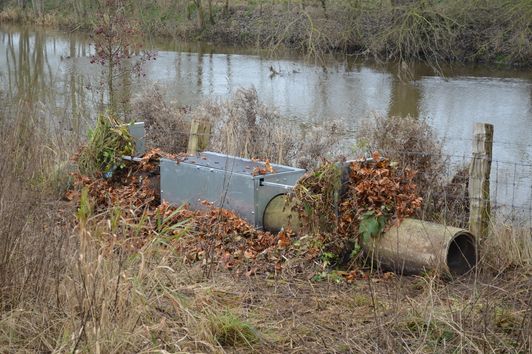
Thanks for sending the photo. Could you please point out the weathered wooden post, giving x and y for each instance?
(198, 140)
(479, 180)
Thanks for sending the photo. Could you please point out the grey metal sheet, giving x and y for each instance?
(226, 181)
(138, 134)
(188, 183)
(234, 164)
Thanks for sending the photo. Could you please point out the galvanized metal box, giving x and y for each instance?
(138, 133)
(226, 181)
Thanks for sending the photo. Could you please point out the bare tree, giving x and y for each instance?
(38, 7)
(201, 14)
(211, 16)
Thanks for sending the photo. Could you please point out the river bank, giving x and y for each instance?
(69, 280)
(472, 31)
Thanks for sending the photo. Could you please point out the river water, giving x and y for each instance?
(53, 69)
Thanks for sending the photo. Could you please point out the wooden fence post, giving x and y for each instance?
(479, 180)
(198, 140)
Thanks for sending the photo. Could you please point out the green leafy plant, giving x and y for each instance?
(108, 142)
(330, 276)
(371, 225)
(170, 226)
(85, 208)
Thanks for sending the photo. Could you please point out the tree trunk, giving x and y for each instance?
(211, 17)
(201, 15)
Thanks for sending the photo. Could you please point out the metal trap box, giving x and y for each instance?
(226, 181)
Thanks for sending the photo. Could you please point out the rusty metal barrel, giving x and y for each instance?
(416, 246)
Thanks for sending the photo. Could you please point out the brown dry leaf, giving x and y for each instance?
(263, 170)
(71, 194)
(249, 254)
(284, 239)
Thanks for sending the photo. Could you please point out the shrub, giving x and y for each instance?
(246, 127)
(166, 125)
(413, 144)
(108, 142)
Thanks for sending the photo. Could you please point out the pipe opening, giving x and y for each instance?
(462, 254)
(277, 214)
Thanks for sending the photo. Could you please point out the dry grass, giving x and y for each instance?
(246, 127)
(166, 124)
(63, 289)
(507, 247)
(32, 175)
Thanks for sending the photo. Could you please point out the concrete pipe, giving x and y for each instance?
(278, 214)
(416, 246)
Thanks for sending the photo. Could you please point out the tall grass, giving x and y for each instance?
(32, 174)
(65, 288)
(68, 285)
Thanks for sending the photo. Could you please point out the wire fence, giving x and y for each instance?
(445, 190)
(510, 190)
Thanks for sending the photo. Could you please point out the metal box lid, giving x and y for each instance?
(226, 181)
(237, 165)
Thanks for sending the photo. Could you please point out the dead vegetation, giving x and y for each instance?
(496, 31)
(166, 124)
(246, 127)
(68, 283)
(242, 126)
(412, 144)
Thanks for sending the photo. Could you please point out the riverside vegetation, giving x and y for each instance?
(74, 276)
(492, 31)
(89, 264)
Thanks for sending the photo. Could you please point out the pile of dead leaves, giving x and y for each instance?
(342, 205)
(213, 236)
(376, 192)
(219, 237)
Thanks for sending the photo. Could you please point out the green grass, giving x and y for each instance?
(229, 330)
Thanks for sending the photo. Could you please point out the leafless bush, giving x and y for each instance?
(246, 127)
(166, 125)
(319, 142)
(409, 141)
(412, 143)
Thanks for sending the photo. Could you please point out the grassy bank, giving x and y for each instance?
(497, 31)
(68, 282)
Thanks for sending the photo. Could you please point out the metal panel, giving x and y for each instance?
(187, 183)
(138, 133)
(226, 181)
